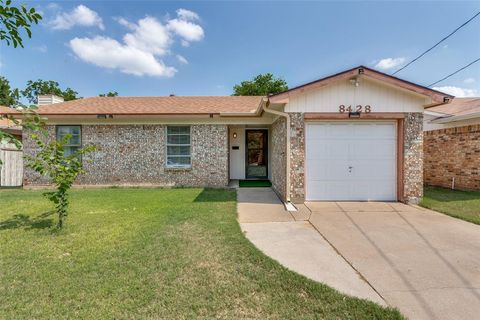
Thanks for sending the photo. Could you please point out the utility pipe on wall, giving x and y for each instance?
(287, 117)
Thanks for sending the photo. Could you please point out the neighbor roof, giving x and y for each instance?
(459, 106)
(458, 109)
(170, 105)
(436, 96)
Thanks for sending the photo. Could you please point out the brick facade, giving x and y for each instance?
(453, 153)
(136, 155)
(413, 158)
(279, 156)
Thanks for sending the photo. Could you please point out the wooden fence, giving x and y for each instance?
(11, 171)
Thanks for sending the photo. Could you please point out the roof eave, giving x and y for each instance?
(437, 97)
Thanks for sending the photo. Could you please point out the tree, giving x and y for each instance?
(39, 87)
(109, 94)
(62, 170)
(8, 97)
(261, 85)
(13, 20)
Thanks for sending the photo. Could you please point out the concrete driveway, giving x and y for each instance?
(425, 263)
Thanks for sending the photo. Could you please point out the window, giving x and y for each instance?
(75, 141)
(178, 147)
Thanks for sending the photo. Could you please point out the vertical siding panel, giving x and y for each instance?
(11, 172)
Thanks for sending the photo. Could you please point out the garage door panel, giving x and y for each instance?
(373, 150)
(351, 161)
(327, 170)
(327, 149)
(374, 169)
(379, 131)
(329, 190)
(339, 130)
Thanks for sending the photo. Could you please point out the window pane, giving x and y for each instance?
(178, 129)
(74, 140)
(178, 161)
(63, 130)
(180, 139)
(68, 151)
(178, 151)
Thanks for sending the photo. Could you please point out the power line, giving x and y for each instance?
(436, 44)
(451, 74)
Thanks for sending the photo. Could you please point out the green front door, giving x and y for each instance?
(257, 156)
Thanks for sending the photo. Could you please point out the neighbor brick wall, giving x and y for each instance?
(279, 156)
(453, 153)
(413, 157)
(135, 155)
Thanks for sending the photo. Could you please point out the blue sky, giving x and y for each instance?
(204, 48)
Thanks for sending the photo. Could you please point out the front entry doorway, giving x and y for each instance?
(256, 142)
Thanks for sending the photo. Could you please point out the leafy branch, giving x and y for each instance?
(13, 20)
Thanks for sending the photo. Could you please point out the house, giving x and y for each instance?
(452, 144)
(355, 135)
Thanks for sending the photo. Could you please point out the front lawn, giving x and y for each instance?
(149, 254)
(459, 204)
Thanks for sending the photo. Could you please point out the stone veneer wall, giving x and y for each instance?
(413, 157)
(279, 156)
(135, 155)
(453, 153)
(297, 160)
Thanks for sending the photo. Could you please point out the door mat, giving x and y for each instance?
(254, 183)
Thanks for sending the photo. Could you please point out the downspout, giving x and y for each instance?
(287, 117)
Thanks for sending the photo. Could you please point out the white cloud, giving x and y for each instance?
(185, 27)
(124, 22)
(457, 91)
(79, 16)
(389, 63)
(469, 80)
(149, 35)
(187, 15)
(53, 6)
(42, 48)
(109, 53)
(182, 59)
(142, 47)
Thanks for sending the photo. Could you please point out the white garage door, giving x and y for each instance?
(351, 161)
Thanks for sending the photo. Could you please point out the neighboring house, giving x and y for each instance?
(356, 135)
(452, 144)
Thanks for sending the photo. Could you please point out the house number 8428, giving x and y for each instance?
(359, 108)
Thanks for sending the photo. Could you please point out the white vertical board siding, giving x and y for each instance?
(11, 172)
(351, 161)
(381, 98)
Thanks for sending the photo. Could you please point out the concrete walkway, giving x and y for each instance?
(296, 244)
(424, 263)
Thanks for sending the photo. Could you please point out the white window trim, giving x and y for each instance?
(181, 166)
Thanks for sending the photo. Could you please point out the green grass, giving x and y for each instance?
(459, 204)
(150, 254)
(254, 183)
